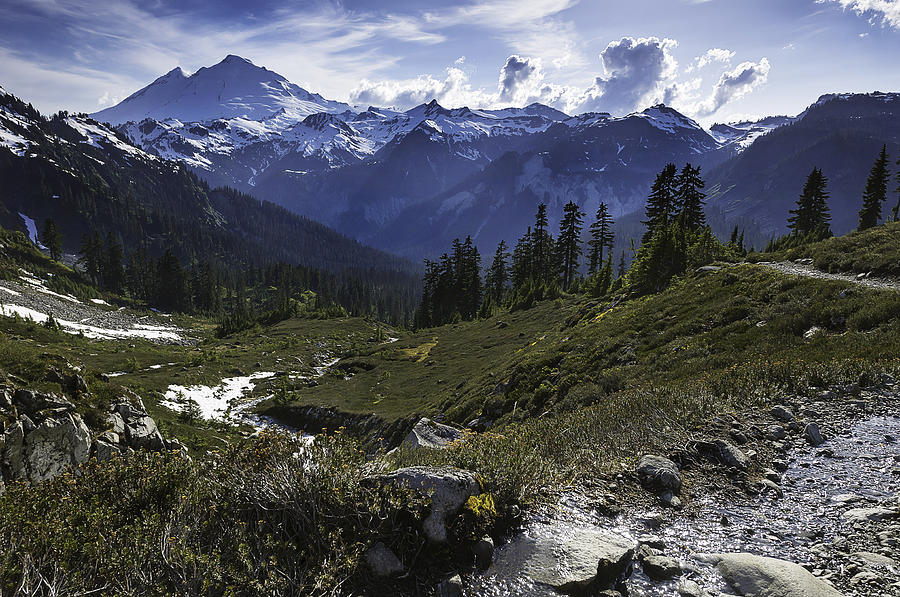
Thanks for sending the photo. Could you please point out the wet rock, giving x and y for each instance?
(447, 487)
(726, 453)
(483, 551)
(659, 474)
(812, 435)
(876, 514)
(669, 500)
(771, 475)
(382, 561)
(758, 576)
(689, 588)
(572, 560)
(452, 587)
(875, 559)
(660, 568)
(428, 434)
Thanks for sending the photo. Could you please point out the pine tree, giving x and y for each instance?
(113, 271)
(569, 243)
(523, 260)
(875, 193)
(91, 256)
(52, 239)
(812, 213)
(622, 266)
(689, 197)
(498, 274)
(541, 246)
(601, 238)
(897, 207)
(661, 202)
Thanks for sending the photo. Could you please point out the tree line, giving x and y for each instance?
(541, 266)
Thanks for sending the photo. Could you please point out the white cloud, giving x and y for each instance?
(715, 55)
(885, 11)
(733, 85)
(638, 71)
(453, 90)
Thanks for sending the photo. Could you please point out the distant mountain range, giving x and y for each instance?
(410, 181)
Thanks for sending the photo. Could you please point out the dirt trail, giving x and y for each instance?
(798, 268)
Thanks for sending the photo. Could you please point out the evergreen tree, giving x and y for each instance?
(875, 193)
(661, 202)
(622, 266)
(498, 275)
(91, 256)
(112, 267)
(601, 238)
(52, 239)
(172, 292)
(523, 260)
(897, 207)
(689, 197)
(569, 243)
(812, 214)
(541, 248)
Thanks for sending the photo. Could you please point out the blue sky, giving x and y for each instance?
(716, 60)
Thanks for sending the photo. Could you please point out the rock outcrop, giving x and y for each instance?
(43, 436)
(759, 576)
(447, 488)
(429, 434)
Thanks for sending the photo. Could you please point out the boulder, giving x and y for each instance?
(782, 414)
(661, 567)
(483, 551)
(570, 559)
(758, 576)
(382, 561)
(659, 474)
(13, 457)
(56, 445)
(33, 402)
(447, 487)
(105, 449)
(141, 432)
(116, 423)
(876, 514)
(813, 435)
(428, 434)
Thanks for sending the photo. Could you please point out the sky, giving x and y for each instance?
(714, 60)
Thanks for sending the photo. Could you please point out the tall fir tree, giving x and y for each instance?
(498, 275)
(113, 267)
(812, 213)
(91, 256)
(52, 239)
(569, 242)
(876, 192)
(601, 238)
(689, 198)
(897, 207)
(541, 246)
(523, 260)
(661, 202)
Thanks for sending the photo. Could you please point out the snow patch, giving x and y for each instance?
(218, 402)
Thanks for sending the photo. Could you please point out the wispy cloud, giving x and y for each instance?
(886, 12)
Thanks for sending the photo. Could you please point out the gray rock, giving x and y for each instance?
(5, 400)
(141, 432)
(447, 487)
(661, 567)
(382, 561)
(128, 412)
(875, 559)
(776, 432)
(452, 587)
(56, 445)
(428, 434)
(570, 559)
(659, 474)
(689, 588)
(116, 423)
(813, 435)
(111, 437)
(758, 576)
(14, 451)
(33, 402)
(726, 453)
(870, 514)
(669, 500)
(782, 414)
(104, 449)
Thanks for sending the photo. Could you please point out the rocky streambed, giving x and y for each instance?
(797, 514)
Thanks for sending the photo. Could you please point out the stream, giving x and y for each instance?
(857, 468)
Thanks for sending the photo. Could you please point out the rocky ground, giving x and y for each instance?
(801, 500)
(30, 298)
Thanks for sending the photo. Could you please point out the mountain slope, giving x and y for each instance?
(841, 134)
(88, 178)
(235, 87)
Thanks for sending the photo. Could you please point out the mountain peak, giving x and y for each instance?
(232, 88)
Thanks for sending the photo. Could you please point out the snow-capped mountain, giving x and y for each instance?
(235, 87)
(740, 135)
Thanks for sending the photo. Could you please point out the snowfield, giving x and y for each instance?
(218, 403)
